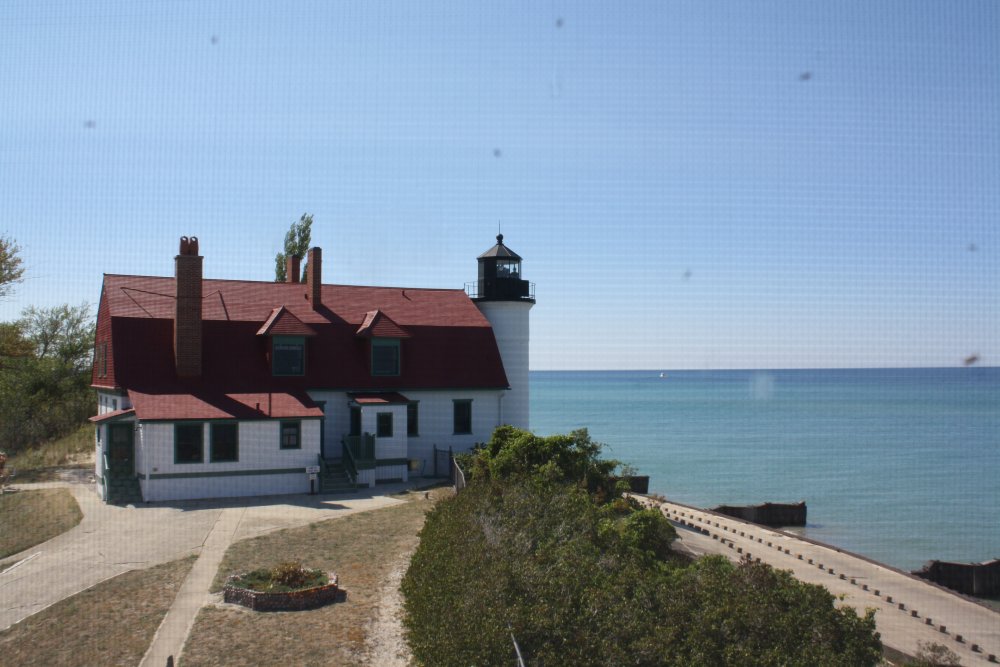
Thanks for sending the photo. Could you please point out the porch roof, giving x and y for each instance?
(379, 398)
(112, 416)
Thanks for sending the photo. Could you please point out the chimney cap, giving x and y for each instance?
(189, 246)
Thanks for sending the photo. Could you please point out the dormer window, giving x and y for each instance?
(288, 341)
(385, 356)
(288, 355)
(385, 336)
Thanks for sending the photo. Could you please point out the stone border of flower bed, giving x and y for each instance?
(307, 598)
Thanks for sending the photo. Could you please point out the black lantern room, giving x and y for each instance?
(500, 276)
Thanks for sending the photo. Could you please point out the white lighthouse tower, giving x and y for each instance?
(505, 299)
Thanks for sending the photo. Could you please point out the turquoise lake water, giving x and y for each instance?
(900, 465)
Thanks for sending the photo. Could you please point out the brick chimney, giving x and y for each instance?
(314, 276)
(292, 268)
(187, 312)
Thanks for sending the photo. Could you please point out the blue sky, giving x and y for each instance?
(691, 184)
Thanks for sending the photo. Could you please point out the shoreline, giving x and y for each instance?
(910, 610)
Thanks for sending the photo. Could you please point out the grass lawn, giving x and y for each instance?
(361, 548)
(28, 518)
(112, 623)
(39, 463)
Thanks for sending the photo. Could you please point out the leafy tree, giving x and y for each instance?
(65, 333)
(11, 269)
(45, 380)
(571, 458)
(12, 342)
(297, 242)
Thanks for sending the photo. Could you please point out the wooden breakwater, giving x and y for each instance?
(767, 514)
(636, 483)
(978, 579)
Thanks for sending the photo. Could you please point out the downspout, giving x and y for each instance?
(145, 460)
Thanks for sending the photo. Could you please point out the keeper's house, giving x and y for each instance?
(217, 388)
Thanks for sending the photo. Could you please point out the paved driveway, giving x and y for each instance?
(111, 540)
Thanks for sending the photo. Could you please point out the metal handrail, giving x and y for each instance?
(349, 465)
(362, 448)
(472, 291)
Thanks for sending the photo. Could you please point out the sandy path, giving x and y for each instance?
(386, 643)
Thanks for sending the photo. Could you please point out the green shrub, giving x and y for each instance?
(573, 458)
(533, 548)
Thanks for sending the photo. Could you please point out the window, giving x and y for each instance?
(385, 356)
(463, 416)
(225, 447)
(355, 421)
(412, 419)
(383, 425)
(102, 360)
(288, 355)
(291, 435)
(188, 441)
(508, 269)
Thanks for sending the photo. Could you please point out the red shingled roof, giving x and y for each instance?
(253, 301)
(379, 325)
(450, 345)
(282, 323)
(209, 405)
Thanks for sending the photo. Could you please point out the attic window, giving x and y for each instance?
(288, 355)
(102, 359)
(385, 356)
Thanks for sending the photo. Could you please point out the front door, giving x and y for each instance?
(121, 450)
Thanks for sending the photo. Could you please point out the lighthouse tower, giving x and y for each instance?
(505, 299)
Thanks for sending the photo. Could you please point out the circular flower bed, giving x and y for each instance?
(286, 587)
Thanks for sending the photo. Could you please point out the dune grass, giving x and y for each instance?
(28, 518)
(112, 623)
(38, 463)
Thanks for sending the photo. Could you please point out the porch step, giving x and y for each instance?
(124, 490)
(335, 479)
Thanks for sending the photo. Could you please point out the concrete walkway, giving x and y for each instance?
(909, 609)
(111, 540)
(176, 625)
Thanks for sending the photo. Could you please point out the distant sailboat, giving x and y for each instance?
(968, 361)
(663, 375)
